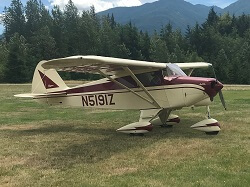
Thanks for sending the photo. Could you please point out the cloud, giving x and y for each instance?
(1, 24)
(100, 5)
(1, 18)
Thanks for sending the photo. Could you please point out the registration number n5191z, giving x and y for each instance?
(99, 99)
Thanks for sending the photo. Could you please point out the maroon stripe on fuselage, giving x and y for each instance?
(113, 92)
(130, 83)
(127, 81)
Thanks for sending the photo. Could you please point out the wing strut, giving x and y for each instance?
(141, 86)
(122, 85)
(190, 72)
(164, 114)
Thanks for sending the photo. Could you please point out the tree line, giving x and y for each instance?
(33, 33)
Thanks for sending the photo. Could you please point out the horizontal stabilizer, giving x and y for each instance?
(34, 95)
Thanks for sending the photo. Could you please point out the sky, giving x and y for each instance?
(101, 5)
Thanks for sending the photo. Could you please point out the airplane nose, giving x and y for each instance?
(216, 85)
(213, 87)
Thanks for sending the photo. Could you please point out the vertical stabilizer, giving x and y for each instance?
(46, 80)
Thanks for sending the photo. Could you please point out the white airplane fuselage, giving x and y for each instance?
(172, 93)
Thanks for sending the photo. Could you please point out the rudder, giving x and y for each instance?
(47, 80)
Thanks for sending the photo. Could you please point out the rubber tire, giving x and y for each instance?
(136, 134)
(166, 126)
(212, 133)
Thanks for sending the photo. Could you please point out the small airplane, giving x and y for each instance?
(156, 89)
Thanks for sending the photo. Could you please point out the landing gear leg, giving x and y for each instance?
(208, 113)
(163, 117)
(209, 117)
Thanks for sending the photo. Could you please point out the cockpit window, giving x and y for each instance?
(154, 78)
(173, 70)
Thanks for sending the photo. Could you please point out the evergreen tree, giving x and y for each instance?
(225, 24)
(72, 33)
(212, 18)
(112, 21)
(14, 20)
(194, 37)
(89, 32)
(33, 17)
(45, 17)
(42, 45)
(16, 70)
(244, 64)
(3, 59)
(166, 34)
(145, 44)
(109, 38)
(58, 31)
(221, 66)
(242, 24)
(130, 37)
(222, 40)
(178, 55)
(159, 51)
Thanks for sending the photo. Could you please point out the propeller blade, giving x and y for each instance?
(214, 73)
(222, 100)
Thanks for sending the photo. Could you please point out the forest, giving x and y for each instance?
(33, 33)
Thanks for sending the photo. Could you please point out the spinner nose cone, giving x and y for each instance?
(214, 88)
(216, 85)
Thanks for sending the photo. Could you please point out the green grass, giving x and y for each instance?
(52, 146)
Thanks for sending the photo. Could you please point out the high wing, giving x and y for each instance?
(94, 64)
(111, 66)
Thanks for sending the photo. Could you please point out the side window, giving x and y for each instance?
(154, 78)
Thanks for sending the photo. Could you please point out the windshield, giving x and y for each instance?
(174, 71)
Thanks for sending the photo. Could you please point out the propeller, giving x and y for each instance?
(222, 100)
(220, 92)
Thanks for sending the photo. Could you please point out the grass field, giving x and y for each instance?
(52, 146)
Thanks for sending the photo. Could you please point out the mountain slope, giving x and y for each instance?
(152, 16)
(238, 8)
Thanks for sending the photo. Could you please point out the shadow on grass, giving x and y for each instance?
(92, 145)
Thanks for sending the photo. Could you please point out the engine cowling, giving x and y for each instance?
(136, 128)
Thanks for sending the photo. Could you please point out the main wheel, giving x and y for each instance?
(166, 126)
(136, 134)
(212, 133)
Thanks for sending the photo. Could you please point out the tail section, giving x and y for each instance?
(46, 80)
